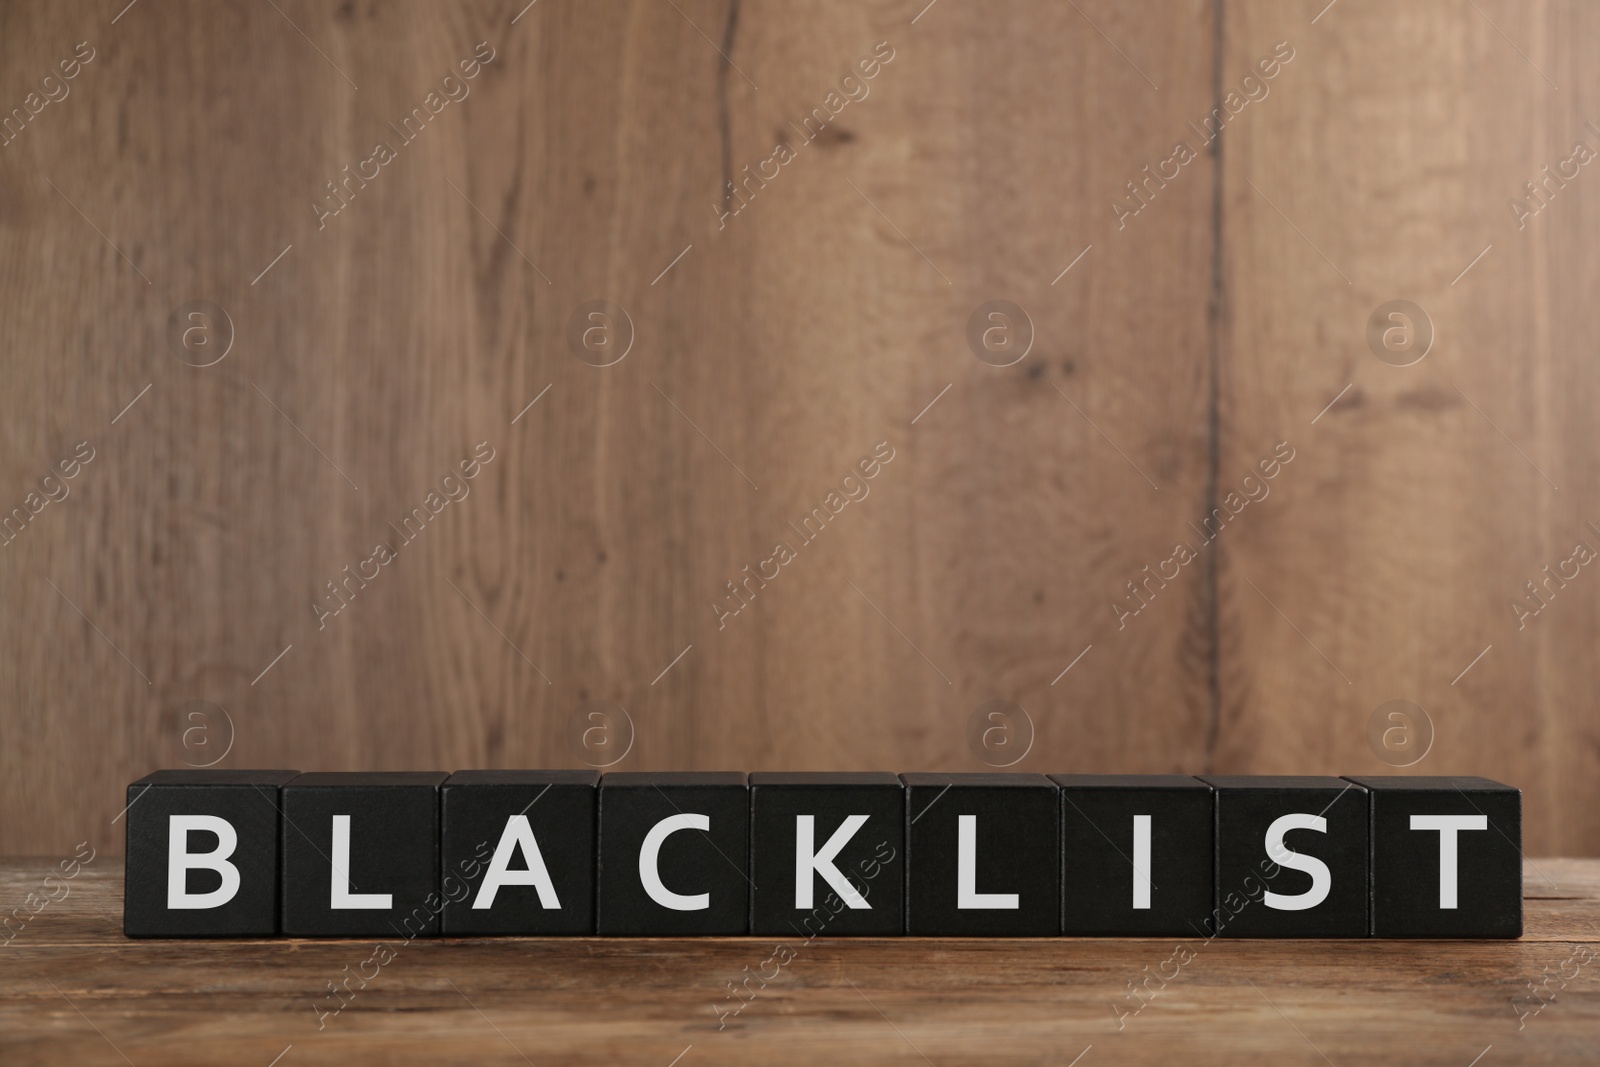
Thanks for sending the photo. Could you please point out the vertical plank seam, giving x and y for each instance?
(730, 26)
(1213, 404)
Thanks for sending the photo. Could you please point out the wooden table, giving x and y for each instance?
(74, 990)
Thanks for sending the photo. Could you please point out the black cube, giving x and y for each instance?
(674, 853)
(202, 854)
(1137, 851)
(518, 852)
(1291, 857)
(827, 853)
(983, 855)
(1446, 856)
(361, 854)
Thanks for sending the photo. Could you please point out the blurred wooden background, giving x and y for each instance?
(161, 612)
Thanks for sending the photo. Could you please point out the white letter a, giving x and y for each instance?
(517, 832)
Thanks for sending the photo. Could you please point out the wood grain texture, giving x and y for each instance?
(1424, 500)
(772, 348)
(74, 990)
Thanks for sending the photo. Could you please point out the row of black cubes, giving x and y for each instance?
(1047, 855)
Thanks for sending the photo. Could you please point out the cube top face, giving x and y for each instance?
(983, 855)
(1138, 859)
(1465, 783)
(518, 852)
(827, 854)
(984, 779)
(360, 855)
(1277, 782)
(674, 854)
(374, 779)
(1291, 857)
(823, 778)
(202, 854)
(1446, 857)
(212, 776)
(615, 779)
(515, 778)
(1129, 781)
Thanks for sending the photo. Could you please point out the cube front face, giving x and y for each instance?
(1291, 857)
(1138, 855)
(1446, 857)
(827, 854)
(674, 854)
(202, 855)
(518, 852)
(983, 855)
(361, 855)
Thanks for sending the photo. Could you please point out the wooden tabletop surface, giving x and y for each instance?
(74, 990)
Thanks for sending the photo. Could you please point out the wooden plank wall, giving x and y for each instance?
(163, 611)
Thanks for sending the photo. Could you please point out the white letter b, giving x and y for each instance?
(180, 861)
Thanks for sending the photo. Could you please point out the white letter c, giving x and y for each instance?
(651, 850)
